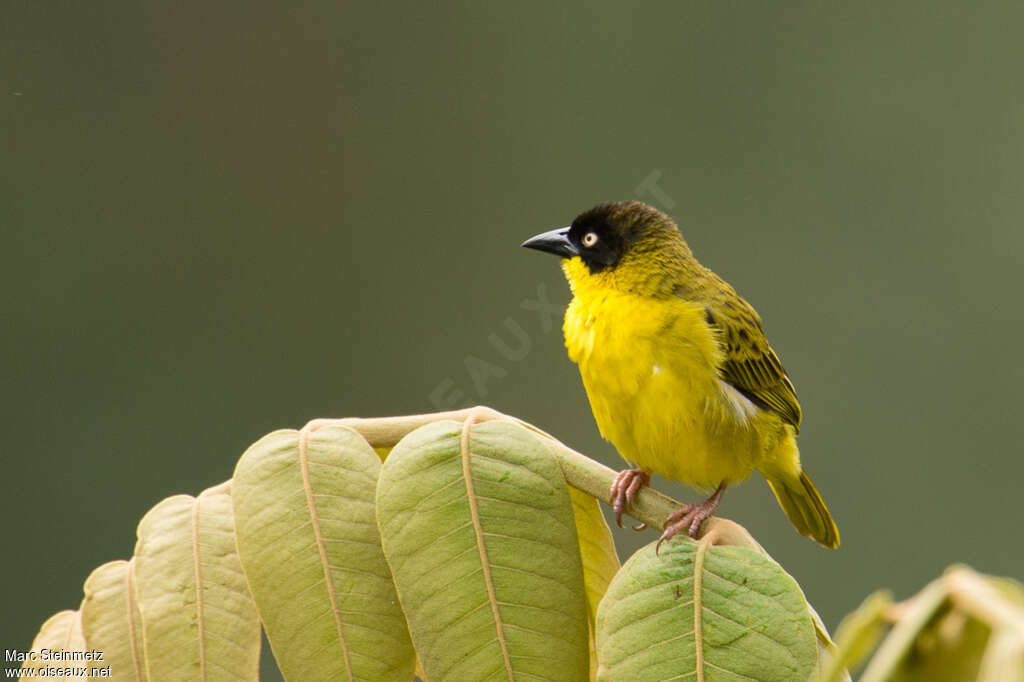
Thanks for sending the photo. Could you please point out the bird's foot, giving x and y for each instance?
(689, 517)
(624, 489)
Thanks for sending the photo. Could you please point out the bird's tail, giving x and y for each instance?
(806, 510)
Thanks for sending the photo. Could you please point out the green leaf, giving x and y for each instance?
(717, 613)
(478, 528)
(61, 632)
(198, 620)
(307, 536)
(111, 621)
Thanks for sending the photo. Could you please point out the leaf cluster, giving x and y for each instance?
(456, 546)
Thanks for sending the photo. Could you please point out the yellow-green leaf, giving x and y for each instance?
(710, 612)
(478, 528)
(963, 626)
(307, 535)
(858, 634)
(111, 621)
(600, 561)
(198, 620)
(53, 648)
(950, 649)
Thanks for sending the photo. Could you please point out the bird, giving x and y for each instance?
(680, 376)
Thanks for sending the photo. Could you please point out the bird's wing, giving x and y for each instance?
(750, 364)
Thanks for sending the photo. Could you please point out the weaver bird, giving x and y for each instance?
(677, 368)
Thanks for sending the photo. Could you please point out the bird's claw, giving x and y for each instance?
(623, 491)
(689, 517)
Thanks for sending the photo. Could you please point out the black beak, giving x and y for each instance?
(553, 241)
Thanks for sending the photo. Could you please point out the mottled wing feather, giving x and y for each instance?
(750, 365)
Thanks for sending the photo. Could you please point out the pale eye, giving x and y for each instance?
(589, 239)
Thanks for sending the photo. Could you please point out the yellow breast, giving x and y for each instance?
(648, 366)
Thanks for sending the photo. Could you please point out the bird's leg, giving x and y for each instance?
(624, 489)
(689, 516)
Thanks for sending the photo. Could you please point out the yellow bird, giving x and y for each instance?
(677, 368)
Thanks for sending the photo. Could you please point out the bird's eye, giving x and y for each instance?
(589, 239)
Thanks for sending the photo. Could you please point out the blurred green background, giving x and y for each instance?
(224, 218)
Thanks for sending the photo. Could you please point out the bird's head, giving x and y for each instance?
(628, 246)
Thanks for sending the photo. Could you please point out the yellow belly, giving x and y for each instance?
(648, 367)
